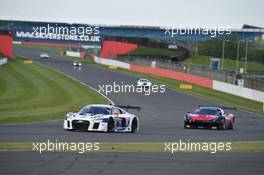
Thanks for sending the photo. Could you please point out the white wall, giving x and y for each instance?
(17, 42)
(239, 91)
(110, 62)
(73, 54)
(3, 61)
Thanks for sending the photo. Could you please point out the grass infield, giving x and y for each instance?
(32, 92)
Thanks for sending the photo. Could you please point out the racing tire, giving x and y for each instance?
(222, 126)
(134, 125)
(111, 125)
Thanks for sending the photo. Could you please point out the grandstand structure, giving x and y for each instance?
(22, 31)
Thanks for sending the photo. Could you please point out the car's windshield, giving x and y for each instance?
(206, 111)
(93, 110)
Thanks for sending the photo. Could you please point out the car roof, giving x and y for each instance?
(100, 105)
(211, 107)
(105, 106)
(143, 79)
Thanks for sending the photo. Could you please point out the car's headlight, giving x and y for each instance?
(69, 115)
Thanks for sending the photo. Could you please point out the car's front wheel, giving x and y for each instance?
(111, 125)
(222, 126)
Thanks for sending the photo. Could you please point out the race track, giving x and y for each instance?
(161, 119)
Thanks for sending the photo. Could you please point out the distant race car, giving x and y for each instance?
(77, 63)
(44, 55)
(210, 118)
(104, 118)
(143, 83)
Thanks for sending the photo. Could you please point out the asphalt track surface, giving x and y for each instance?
(161, 120)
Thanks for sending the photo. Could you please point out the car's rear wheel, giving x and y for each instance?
(134, 125)
(111, 125)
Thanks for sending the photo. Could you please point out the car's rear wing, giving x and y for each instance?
(129, 107)
(222, 107)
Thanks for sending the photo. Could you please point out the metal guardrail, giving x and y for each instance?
(250, 81)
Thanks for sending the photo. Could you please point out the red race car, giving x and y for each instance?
(210, 118)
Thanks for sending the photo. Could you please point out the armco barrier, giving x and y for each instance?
(239, 91)
(110, 62)
(3, 61)
(201, 81)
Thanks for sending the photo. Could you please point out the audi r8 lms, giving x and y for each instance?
(44, 55)
(143, 83)
(104, 118)
(77, 63)
(210, 118)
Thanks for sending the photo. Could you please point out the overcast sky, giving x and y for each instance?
(193, 13)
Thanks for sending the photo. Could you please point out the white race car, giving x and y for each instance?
(104, 118)
(143, 83)
(44, 55)
(77, 63)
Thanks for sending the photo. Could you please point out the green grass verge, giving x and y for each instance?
(32, 92)
(50, 49)
(228, 63)
(217, 96)
(244, 146)
(147, 51)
